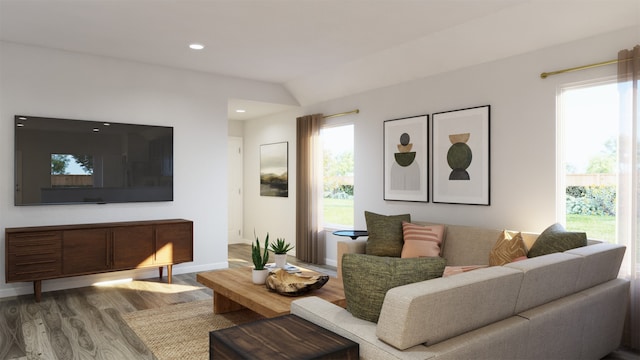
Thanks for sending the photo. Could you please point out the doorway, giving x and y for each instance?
(234, 189)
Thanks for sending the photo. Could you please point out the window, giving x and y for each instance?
(337, 175)
(589, 118)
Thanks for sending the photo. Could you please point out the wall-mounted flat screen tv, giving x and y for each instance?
(62, 161)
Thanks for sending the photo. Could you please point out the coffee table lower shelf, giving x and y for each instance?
(233, 290)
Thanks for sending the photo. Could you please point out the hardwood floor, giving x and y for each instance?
(85, 323)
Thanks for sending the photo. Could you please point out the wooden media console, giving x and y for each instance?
(48, 252)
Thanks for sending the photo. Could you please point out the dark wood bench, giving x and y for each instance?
(284, 337)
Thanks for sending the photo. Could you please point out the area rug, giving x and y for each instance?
(182, 331)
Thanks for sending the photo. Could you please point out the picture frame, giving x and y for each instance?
(274, 169)
(461, 156)
(406, 159)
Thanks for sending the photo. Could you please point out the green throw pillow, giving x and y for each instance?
(367, 278)
(385, 234)
(556, 239)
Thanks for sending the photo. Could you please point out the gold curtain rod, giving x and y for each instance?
(342, 114)
(577, 68)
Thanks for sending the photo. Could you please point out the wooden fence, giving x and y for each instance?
(591, 179)
(71, 180)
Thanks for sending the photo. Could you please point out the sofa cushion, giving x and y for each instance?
(546, 278)
(468, 245)
(507, 249)
(556, 239)
(439, 309)
(385, 233)
(584, 325)
(367, 278)
(601, 263)
(421, 240)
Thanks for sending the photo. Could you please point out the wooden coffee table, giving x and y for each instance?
(233, 290)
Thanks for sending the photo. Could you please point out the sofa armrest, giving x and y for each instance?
(349, 247)
(338, 320)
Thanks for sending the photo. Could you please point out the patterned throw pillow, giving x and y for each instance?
(367, 279)
(556, 239)
(507, 249)
(421, 240)
(385, 234)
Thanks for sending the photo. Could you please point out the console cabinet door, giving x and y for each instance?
(174, 243)
(85, 251)
(132, 247)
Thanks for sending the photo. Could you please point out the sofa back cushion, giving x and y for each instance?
(601, 263)
(546, 278)
(436, 310)
(468, 245)
(366, 279)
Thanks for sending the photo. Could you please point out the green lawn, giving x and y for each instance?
(338, 211)
(596, 227)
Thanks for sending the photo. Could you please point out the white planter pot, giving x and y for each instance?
(281, 260)
(259, 277)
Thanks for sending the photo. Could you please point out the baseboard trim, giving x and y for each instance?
(17, 289)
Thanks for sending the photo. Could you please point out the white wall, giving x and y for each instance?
(268, 214)
(523, 138)
(44, 82)
(236, 128)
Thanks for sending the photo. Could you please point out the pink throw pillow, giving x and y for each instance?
(420, 241)
(453, 270)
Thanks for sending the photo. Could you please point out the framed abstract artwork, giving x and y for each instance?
(406, 159)
(274, 169)
(461, 156)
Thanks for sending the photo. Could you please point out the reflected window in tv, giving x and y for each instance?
(62, 161)
(69, 170)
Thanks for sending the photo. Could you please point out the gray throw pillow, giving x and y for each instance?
(367, 279)
(556, 239)
(385, 234)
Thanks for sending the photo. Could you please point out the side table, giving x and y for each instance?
(353, 234)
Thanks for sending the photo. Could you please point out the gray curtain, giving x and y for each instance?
(628, 196)
(310, 244)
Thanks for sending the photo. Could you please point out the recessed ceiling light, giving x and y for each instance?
(196, 46)
(96, 130)
(241, 110)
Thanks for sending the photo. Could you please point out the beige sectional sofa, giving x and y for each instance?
(568, 305)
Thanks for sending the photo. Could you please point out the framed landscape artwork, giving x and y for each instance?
(461, 156)
(406, 159)
(274, 169)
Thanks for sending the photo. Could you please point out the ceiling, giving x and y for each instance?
(318, 49)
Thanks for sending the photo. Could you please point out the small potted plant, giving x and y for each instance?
(280, 249)
(260, 259)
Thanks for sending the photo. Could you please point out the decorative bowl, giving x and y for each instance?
(287, 284)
